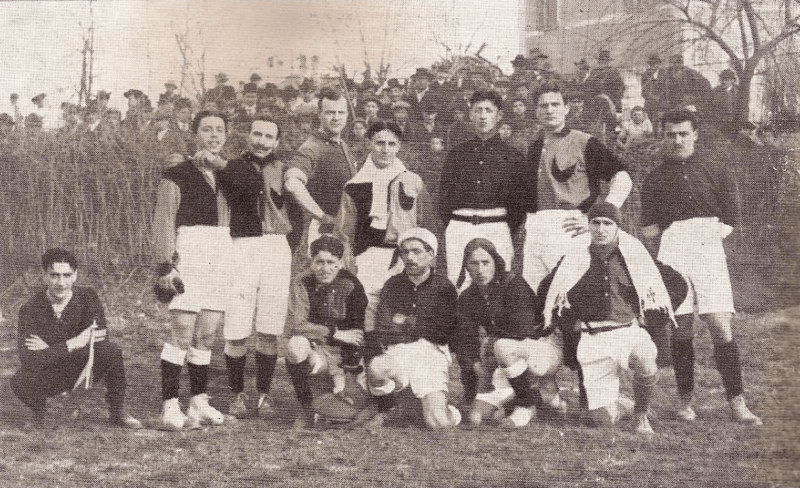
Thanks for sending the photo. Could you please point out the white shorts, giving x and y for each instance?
(204, 264)
(459, 233)
(373, 271)
(544, 356)
(546, 243)
(421, 365)
(260, 276)
(603, 356)
(694, 248)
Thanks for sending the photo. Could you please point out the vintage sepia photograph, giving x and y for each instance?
(403, 243)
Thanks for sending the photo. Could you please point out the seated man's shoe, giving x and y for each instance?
(124, 420)
(520, 417)
(740, 413)
(200, 412)
(265, 407)
(172, 418)
(687, 414)
(238, 407)
(643, 426)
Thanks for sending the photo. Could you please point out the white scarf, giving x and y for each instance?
(380, 179)
(644, 274)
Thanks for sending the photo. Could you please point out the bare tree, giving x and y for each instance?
(193, 65)
(746, 31)
(87, 62)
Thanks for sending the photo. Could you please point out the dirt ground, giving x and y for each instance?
(82, 450)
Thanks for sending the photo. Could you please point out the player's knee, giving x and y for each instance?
(643, 359)
(298, 349)
(267, 344)
(505, 352)
(378, 371)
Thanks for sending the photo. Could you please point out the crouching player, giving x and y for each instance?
(415, 321)
(63, 338)
(325, 324)
(607, 294)
(504, 305)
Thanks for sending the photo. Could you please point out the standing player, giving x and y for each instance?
(316, 174)
(562, 180)
(415, 323)
(253, 185)
(325, 325)
(192, 245)
(692, 205)
(479, 178)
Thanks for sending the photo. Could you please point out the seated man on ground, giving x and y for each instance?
(62, 338)
(503, 305)
(606, 295)
(415, 322)
(325, 325)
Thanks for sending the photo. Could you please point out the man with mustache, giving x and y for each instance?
(262, 259)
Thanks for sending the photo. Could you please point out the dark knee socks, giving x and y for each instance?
(299, 374)
(198, 378)
(526, 396)
(729, 367)
(683, 363)
(643, 388)
(265, 368)
(170, 380)
(235, 373)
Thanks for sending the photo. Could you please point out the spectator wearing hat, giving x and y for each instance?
(169, 96)
(420, 92)
(45, 117)
(221, 93)
(136, 116)
(605, 80)
(652, 85)
(306, 102)
(248, 107)
(401, 115)
(684, 87)
(360, 145)
(370, 108)
(723, 102)
(391, 94)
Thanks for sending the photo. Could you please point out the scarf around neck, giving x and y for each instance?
(380, 179)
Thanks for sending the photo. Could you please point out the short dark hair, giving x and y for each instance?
(328, 93)
(327, 242)
(489, 94)
(679, 116)
(549, 87)
(266, 118)
(58, 255)
(207, 113)
(381, 125)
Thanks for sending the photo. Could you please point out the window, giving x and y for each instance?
(543, 15)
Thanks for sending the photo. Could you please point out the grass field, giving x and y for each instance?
(713, 452)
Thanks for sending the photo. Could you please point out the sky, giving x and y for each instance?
(136, 47)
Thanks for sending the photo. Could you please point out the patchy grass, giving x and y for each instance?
(83, 450)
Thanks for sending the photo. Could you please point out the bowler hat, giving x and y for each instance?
(604, 55)
(518, 61)
(170, 83)
(133, 93)
(422, 73)
(250, 88)
(38, 98)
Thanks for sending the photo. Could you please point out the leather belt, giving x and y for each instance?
(605, 328)
(479, 219)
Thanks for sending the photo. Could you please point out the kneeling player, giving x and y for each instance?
(609, 292)
(415, 320)
(325, 324)
(504, 305)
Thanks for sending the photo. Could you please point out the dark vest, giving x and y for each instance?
(198, 200)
